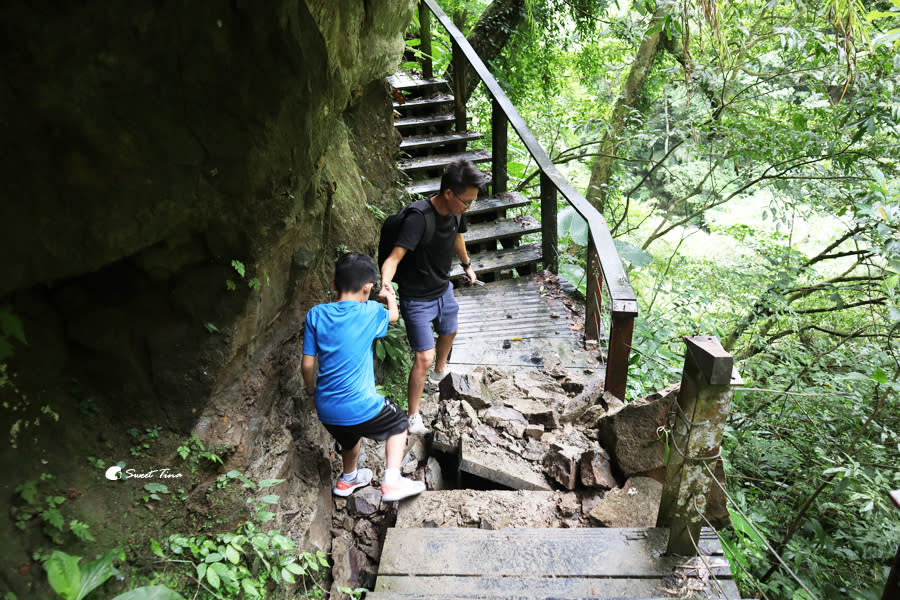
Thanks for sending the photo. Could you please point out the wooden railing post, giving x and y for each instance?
(498, 148)
(425, 41)
(621, 332)
(593, 295)
(549, 234)
(697, 424)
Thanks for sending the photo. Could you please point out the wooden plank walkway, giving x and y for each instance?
(547, 563)
(517, 323)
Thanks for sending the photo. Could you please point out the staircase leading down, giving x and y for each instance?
(531, 563)
(424, 118)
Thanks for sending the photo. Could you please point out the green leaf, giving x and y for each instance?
(64, 574)
(250, 588)
(156, 548)
(213, 557)
(270, 482)
(239, 267)
(879, 375)
(201, 570)
(295, 569)
(287, 576)
(232, 555)
(270, 499)
(634, 255)
(569, 223)
(213, 578)
(150, 592)
(96, 572)
(156, 488)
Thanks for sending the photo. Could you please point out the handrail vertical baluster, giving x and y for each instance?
(425, 41)
(592, 301)
(498, 148)
(459, 86)
(549, 248)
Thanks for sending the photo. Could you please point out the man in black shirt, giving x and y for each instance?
(422, 274)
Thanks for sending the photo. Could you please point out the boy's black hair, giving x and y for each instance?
(460, 175)
(352, 271)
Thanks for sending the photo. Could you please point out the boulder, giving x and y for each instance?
(535, 412)
(634, 505)
(364, 501)
(434, 475)
(503, 417)
(561, 464)
(596, 469)
(630, 433)
(463, 386)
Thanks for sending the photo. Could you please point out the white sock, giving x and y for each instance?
(391, 475)
(348, 477)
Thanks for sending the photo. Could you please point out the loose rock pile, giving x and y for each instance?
(578, 457)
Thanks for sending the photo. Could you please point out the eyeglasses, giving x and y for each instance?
(463, 202)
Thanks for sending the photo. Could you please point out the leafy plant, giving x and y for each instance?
(193, 451)
(72, 581)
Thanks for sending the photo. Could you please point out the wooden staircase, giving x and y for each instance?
(530, 563)
(424, 117)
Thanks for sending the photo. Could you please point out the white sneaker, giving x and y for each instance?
(416, 426)
(400, 489)
(345, 488)
(435, 378)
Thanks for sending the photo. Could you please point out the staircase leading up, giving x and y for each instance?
(425, 119)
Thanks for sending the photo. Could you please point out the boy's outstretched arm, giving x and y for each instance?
(387, 295)
(308, 371)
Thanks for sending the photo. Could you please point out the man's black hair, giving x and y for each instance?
(352, 271)
(460, 175)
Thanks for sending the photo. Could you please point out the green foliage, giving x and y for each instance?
(244, 563)
(193, 452)
(72, 581)
(44, 508)
(394, 358)
(253, 283)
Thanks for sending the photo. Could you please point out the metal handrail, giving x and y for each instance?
(624, 302)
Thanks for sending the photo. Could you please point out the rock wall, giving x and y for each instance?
(145, 147)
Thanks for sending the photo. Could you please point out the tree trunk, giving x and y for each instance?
(625, 103)
(493, 31)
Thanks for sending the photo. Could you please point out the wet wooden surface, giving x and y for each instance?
(517, 322)
(562, 563)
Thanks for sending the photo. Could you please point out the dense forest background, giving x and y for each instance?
(745, 156)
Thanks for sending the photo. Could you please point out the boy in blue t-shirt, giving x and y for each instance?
(340, 334)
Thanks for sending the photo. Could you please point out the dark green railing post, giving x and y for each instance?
(697, 424)
(425, 41)
(459, 87)
(498, 148)
(549, 237)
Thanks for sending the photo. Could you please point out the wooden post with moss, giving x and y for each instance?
(695, 436)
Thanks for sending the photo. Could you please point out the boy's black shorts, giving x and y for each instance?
(389, 422)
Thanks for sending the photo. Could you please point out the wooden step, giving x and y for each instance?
(497, 203)
(435, 100)
(440, 161)
(404, 81)
(425, 121)
(501, 229)
(500, 260)
(431, 186)
(536, 595)
(417, 142)
(540, 563)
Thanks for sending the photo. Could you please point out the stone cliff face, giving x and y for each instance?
(146, 147)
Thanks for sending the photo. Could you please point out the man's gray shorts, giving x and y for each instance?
(420, 315)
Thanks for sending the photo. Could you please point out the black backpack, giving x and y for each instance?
(390, 229)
